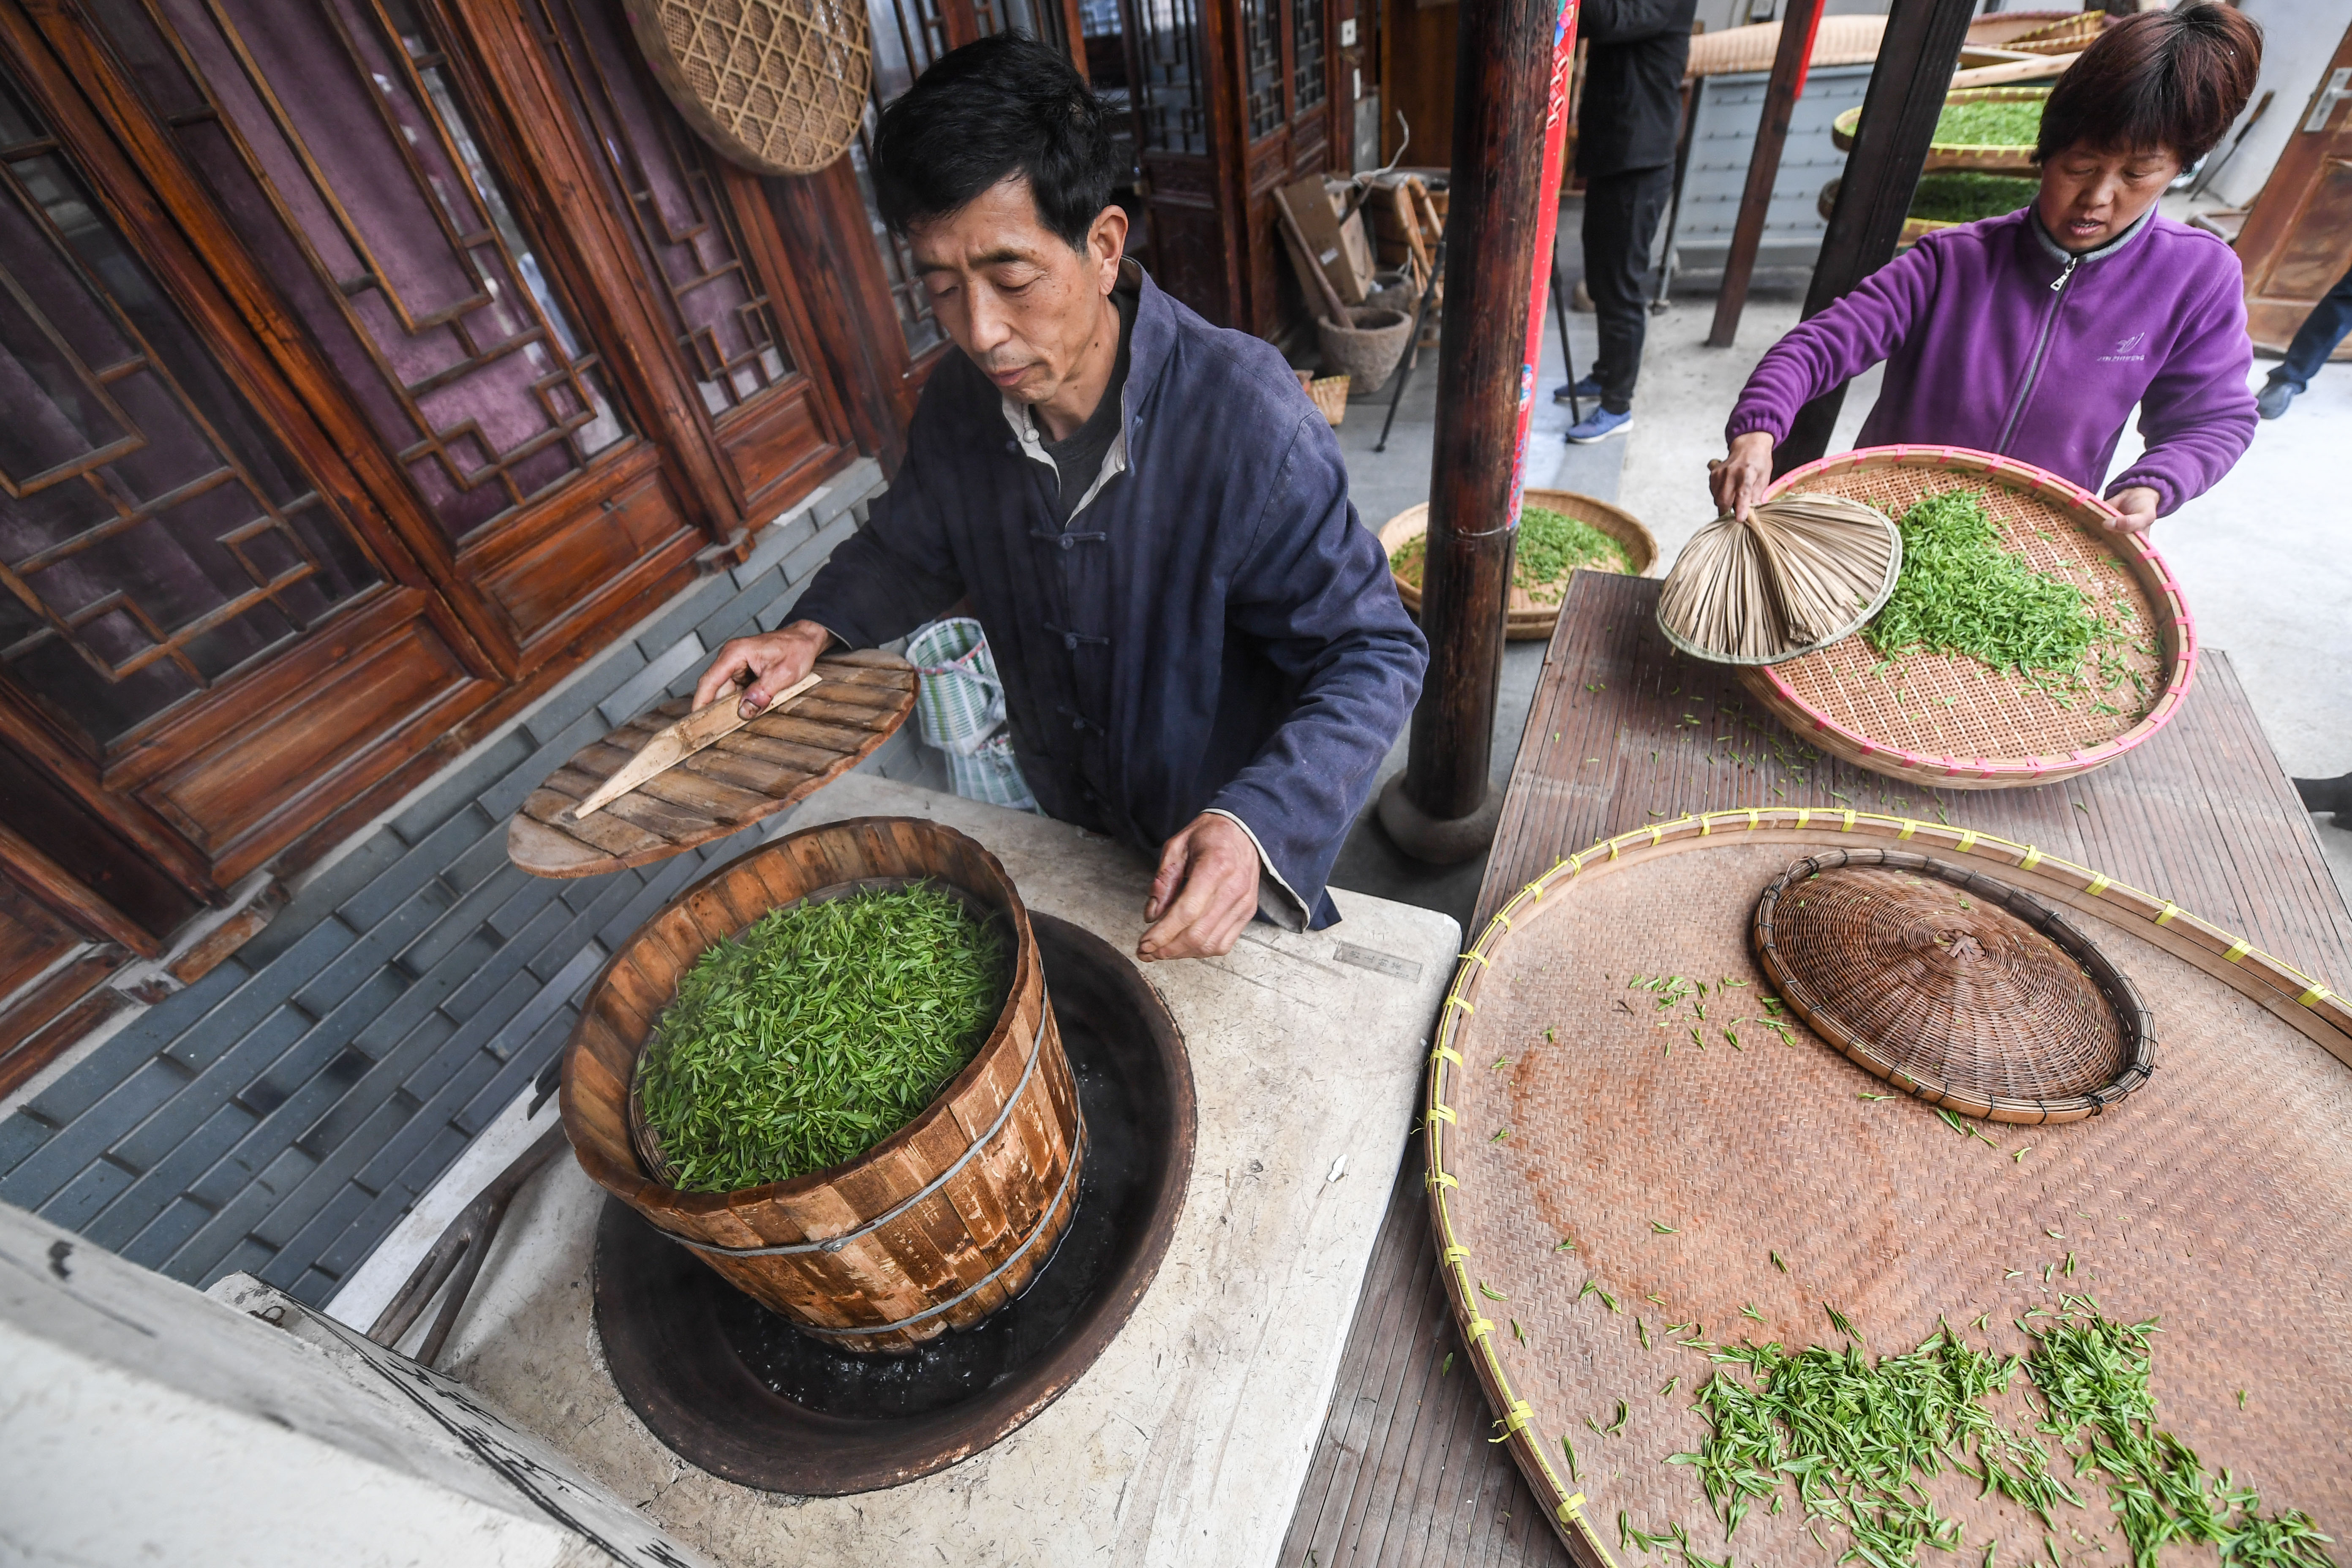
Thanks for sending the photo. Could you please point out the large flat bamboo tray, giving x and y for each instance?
(2217, 1202)
(1946, 721)
(1992, 160)
(771, 762)
(1529, 619)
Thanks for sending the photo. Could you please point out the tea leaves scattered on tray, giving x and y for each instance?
(1959, 592)
(1990, 122)
(815, 1033)
(1964, 195)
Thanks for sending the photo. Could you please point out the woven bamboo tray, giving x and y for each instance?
(1529, 620)
(771, 762)
(1946, 721)
(1953, 154)
(2217, 1202)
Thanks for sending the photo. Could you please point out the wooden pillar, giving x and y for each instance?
(1511, 73)
(1798, 26)
(1898, 120)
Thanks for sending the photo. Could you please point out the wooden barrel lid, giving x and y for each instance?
(771, 762)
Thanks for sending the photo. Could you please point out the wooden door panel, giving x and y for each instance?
(2318, 249)
(562, 568)
(345, 124)
(768, 445)
(386, 687)
(2297, 239)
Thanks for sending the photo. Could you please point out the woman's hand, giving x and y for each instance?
(1206, 891)
(2137, 504)
(1741, 479)
(765, 664)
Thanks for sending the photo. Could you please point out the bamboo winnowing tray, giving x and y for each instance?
(2213, 1200)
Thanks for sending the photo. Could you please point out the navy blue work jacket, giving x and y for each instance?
(1214, 629)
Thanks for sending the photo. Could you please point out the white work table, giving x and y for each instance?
(1187, 1441)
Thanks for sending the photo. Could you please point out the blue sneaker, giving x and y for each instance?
(1585, 391)
(1599, 425)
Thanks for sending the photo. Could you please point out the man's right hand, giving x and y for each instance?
(766, 664)
(1741, 479)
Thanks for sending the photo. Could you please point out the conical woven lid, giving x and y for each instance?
(1947, 984)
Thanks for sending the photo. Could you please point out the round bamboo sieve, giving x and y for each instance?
(1588, 1190)
(1526, 619)
(777, 85)
(1944, 719)
(1963, 992)
(933, 1228)
(1994, 160)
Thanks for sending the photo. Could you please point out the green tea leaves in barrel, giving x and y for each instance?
(814, 1033)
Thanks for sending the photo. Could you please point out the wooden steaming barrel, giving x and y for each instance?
(933, 1228)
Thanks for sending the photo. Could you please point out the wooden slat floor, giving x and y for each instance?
(1625, 732)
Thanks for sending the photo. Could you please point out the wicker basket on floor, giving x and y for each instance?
(1330, 394)
(1946, 721)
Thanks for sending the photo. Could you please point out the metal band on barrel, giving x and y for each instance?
(834, 1244)
(1078, 1151)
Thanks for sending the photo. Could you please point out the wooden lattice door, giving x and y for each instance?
(1232, 98)
(2297, 240)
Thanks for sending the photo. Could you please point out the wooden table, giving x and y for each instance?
(1625, 731)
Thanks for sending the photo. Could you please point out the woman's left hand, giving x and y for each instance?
(2137, 504)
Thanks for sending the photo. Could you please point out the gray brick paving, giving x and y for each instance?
(281, 1114)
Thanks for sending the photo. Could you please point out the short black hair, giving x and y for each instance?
(1003, 106)
(2173, 79)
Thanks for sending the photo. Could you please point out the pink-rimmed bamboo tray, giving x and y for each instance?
(1960, 726)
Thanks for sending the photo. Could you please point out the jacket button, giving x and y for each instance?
(1070, 641)
(1067, 542)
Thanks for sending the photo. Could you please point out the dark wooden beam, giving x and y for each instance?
(1898, 120)
(1798, 26)
(1511, 79)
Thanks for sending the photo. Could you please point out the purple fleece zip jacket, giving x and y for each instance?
(1998, 340)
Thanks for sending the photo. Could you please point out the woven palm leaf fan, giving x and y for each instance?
(1800, 573)
(777, 85)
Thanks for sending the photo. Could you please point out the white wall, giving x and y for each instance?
(2299, 37)
(141, 1423)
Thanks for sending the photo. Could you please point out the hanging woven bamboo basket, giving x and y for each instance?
(934, 1227)
(777, 85)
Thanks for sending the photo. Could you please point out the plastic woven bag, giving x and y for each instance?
(959, 709)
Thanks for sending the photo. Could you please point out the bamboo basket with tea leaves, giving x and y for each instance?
(2026, 640)
(831, 1069)
(1559, 531)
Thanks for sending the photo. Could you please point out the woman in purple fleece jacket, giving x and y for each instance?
(2033, 335)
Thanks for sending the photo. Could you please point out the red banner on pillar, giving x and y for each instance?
(1563, 61)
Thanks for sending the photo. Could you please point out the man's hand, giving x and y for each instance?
(2137, 504)
(767, 664)
(1206, 891)
(1741, 479)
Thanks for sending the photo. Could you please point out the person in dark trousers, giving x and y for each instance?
(1626, 130)
(2317, 339)
(1202, 651)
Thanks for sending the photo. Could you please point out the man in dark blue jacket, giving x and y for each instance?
(1202, 647)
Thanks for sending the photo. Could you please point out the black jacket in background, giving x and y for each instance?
(1632, 113)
